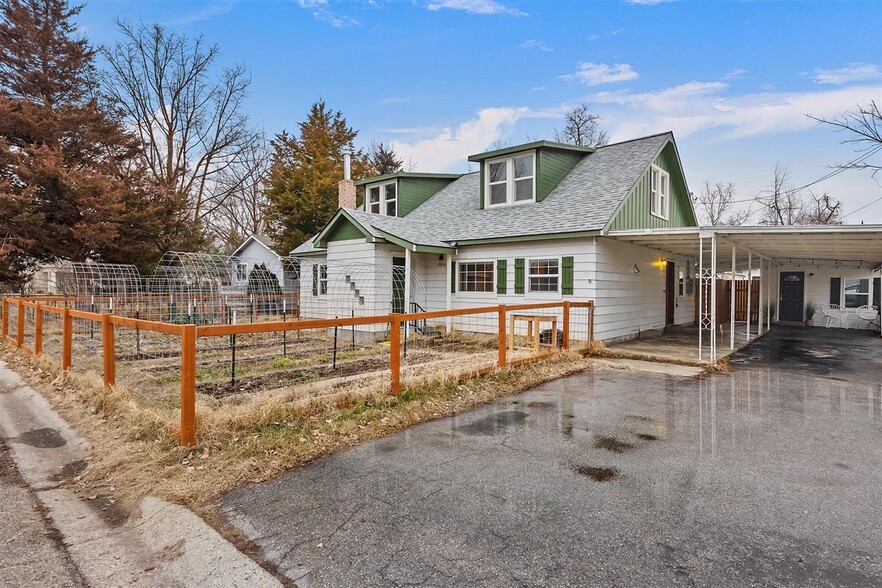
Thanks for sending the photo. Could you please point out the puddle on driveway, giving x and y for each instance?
(494, 423)
(611, 444)
(45, 438)
(646, 437)
(598, 474)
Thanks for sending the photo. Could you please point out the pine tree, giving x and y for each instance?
(384, 160)
(68, 185)
(305, 170)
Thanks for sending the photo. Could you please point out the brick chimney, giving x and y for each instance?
(346, 187)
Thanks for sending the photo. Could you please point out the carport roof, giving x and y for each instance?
(859, 243)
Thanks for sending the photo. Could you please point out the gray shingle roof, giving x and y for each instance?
(584, 200)
(307, 247)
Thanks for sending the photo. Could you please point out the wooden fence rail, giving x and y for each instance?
(189, 334)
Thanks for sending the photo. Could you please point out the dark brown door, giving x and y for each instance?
(792, 296)
(670, 292)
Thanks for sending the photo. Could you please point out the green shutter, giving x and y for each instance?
(453, 278)
(501, 276)
(315, 279)
(519, 276)
(567, 276)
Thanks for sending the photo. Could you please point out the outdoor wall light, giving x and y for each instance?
(636, 269)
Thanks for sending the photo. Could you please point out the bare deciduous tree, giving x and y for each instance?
(715, 201)
(782, 204)
(189, 121)
(581, 127)
(864, 128)
(243, 212)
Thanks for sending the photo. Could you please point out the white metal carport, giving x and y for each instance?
(766, 248)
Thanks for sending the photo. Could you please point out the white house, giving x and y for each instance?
(255, 250)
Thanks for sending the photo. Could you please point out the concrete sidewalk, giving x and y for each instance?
(100, 545)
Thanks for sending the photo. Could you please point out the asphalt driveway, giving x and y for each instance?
(771, 475)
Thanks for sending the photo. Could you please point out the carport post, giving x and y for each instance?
(713, 282)
(701, 295)
(763, 278)
(408, 264)
(749, 289)
(732, 304)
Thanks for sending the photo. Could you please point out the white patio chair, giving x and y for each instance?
(868, 313)
(833, 313)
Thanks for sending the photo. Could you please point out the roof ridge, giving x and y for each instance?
(671, 133)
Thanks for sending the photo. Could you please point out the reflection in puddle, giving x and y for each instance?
(494, 423)
(598, 474)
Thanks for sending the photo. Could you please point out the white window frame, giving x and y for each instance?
(868, 294)
(383, 203)
(510, 180)
(528, 286)
(459, 267)
(659, 200)
(322, 279)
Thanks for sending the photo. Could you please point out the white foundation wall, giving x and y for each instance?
(630, 302)
(817, 285)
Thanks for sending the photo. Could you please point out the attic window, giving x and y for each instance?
(659, 190)
(383, 199)
(510, 179)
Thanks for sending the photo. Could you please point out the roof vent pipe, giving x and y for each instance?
(346, 187)
(347, 166)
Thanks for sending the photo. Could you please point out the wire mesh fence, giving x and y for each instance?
(304, 358)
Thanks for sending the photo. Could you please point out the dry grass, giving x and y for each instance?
(246, 438)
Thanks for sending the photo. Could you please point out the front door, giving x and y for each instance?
(792, 295)
(670, 292)
(398, 284)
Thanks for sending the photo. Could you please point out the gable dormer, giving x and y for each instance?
(397, 194)
(525, 173)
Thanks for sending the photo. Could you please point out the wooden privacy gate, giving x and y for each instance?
(724, 301)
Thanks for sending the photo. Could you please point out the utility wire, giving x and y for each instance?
(879, 199)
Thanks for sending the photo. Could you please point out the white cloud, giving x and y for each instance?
(449, 148)
(734, 73)
(396, 100)
(475, 7)
(321, 13)
(853, 72)
(699, 106)
(311, 3)
(205, 12)
(647, 2)
(595, 74)
(536, 44)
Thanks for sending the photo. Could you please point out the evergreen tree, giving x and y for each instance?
(304, 173)
(384, 160)
(68, 187)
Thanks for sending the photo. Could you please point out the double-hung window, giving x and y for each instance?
(476, 276)
(323, 279)
(241, 272)
(660, 189)
(857, 292)
(544, 275)
(511, 179)
(383, 199)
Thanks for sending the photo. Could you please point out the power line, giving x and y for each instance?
(879, 199)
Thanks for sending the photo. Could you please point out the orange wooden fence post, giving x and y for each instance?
(38, 330)
(502, 341)
(395, 354)
(66, 336)
(4, 310)
(188, 385)
(591, 324)
(108, 348)
(20, 323)
(566, 324)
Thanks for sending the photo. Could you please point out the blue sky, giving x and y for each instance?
(443, 79)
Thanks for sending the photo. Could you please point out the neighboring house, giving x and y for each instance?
(529, 226)
(47, 279)
(255, 250)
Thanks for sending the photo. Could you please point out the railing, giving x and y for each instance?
(455, 343)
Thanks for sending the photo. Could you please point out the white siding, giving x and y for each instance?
(630, 302)
(817, 283)
(254, 254)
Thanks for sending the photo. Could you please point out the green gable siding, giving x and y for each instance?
(552, 166)
(414, 191)
(634, 210)
(344, 230)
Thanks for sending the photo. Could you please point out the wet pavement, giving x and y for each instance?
(766, 476)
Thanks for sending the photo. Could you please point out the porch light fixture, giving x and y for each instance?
(636, 269)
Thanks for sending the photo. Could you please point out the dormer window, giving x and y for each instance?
(511, 179)
(659, 189)
(383, 198)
